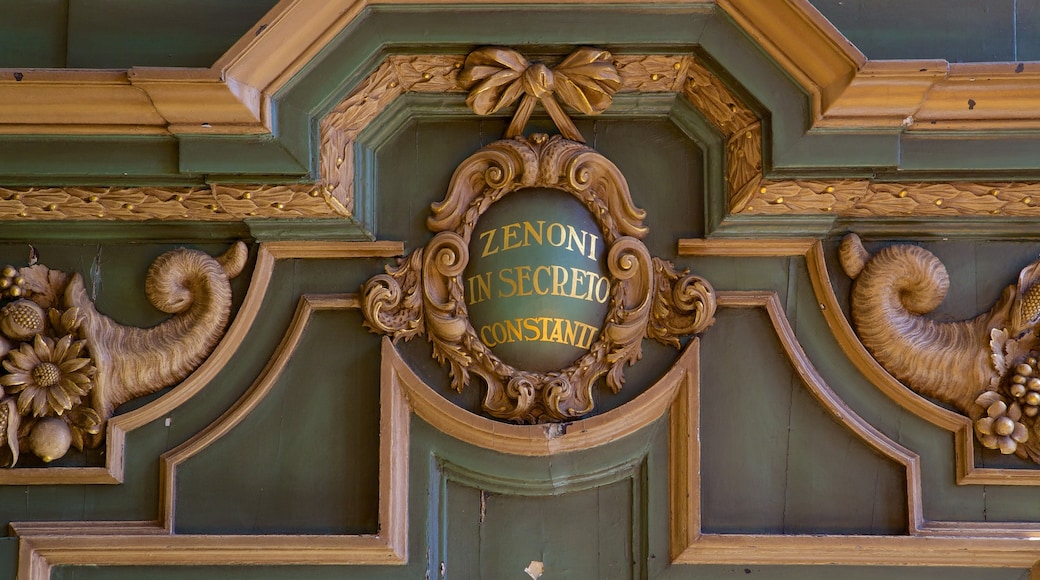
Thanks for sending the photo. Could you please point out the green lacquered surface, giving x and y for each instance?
(120, 34)
(186, 33)
(957, 30)
(536, 286)
(258, 155)
(305, 461)
(60, 159)
(773, 461)
(33, 34)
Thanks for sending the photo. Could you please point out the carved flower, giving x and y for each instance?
(65, 321)
(1000, 428)
(50, 377)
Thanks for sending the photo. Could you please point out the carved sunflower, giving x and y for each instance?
(50, 377)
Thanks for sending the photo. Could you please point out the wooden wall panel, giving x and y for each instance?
(773, 461)
(305, 461)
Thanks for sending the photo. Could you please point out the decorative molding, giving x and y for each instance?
(235, 96)
(967, 472)
(749, 192)
(45, 545)
(204, 203)
(120, 425)
(425, 292)
(538, 440)
(928, 543)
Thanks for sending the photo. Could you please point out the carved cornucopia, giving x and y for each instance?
(66, 367)
(986, 367)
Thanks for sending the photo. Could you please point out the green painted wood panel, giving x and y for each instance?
(954, 30)
(194, 33)
(773, 461)
(584, 534)
(184, 33)
(306, 459)
(33, 34)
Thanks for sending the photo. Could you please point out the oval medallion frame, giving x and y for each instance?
(647, 296)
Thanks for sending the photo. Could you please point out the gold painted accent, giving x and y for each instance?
(147, 203)
(424, 293)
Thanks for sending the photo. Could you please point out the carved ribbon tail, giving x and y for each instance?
(586, 80)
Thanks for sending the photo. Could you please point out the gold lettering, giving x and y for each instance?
(509, 234)
(490, 235)
(570, 333)
(530, 232)
(523, 273)
(602, 284)
(484, 338)
(572, 240)
(588, 334)
(539, 329)
(479, 287)
(549, 234)
(532, 325)
(559, 280)
(538, 287)
(512, 283)
(574, 282)
(494, 333)
(515, 335)
(557, 334)
(592, 247)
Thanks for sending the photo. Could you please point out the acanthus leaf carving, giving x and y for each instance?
(67, 367)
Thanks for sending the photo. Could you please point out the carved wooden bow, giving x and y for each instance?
(586, 80)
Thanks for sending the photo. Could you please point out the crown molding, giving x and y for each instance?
(236, 95)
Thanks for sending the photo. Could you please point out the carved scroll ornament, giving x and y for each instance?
(424, 293)
(66, 367)
(986, 367)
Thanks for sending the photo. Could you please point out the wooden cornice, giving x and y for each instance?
(140, 101)
(847, 91)
(235, 95)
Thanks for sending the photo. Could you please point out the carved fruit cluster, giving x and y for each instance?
(1000, 428)
(11, 284)
(1024, 386)
(48, 372)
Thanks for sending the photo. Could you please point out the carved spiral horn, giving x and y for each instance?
(133, 362)
(948, 361)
